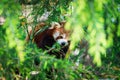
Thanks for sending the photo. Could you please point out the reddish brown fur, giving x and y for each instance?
(45, 38)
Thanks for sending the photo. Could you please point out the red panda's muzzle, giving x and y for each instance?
(62, 42)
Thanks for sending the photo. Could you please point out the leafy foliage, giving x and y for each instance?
(93, 25)
(96, 22)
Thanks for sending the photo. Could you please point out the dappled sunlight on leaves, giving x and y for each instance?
(87, 14)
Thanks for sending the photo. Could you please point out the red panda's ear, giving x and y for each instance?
(55, 25)
(39, 26)
(62, 23)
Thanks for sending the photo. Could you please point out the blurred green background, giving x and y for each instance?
(95, 34)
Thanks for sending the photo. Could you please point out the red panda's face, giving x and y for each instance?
(59, 34)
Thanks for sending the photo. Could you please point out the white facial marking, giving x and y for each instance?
(62, 42)
(56, 34)
(63, 35)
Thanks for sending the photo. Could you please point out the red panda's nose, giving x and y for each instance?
(63, 43)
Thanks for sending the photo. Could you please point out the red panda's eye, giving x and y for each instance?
(59, 37)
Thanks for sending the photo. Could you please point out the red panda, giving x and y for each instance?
(54, 34)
